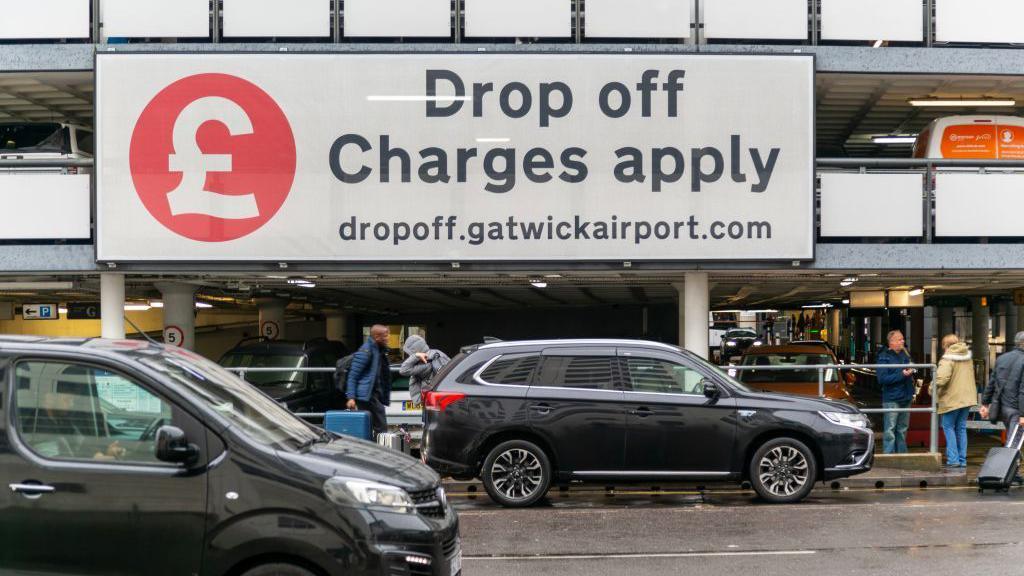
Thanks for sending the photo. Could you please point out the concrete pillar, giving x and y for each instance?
(961, 323)
(999, 319)
(272, 318)
(337, 327)
(1013, 319)
(680, 311)
(979, 329)
(877, 336)
(947, 322)
(112, 305)
(929, 331)
(915, 326)
(179, 314)
(697, 304)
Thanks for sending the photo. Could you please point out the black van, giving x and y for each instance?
(129, 458)
(300, 391)
(524, 415)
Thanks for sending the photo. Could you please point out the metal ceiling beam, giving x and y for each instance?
(500, 296)
(74, 118)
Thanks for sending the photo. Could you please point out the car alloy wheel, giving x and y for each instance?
(783, 470)
(516, 473)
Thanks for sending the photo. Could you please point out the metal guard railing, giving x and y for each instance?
(933, 432)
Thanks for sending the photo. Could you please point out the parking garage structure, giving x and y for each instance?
(713, 157)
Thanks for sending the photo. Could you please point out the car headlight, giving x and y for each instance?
(355, 492)
(757, 343)
(730, 343)
(857, 420)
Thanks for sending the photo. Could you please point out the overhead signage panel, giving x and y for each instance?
(40, 312)
(83, 311)
(454, 157)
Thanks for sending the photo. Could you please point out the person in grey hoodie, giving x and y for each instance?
(421, 365)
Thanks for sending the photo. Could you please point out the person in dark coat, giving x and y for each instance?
(1006, 379)
(897, 392)
(368, 386)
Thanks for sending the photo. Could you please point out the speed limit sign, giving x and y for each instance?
(270, 330)
(174, 336)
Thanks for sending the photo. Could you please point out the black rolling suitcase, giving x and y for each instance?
(1001, 464)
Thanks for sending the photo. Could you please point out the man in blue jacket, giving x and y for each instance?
(897, 392)
(368, 386)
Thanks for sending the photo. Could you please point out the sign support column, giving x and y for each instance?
(112, 305)
(272, 318)
(179, 314)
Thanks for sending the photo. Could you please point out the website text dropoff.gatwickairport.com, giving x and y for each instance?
(576, 228)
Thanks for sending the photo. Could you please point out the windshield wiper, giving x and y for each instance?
(321, 438)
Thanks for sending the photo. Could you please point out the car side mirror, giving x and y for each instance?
(172, 446)
(710, 388)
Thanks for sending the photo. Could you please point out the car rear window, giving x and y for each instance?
(447, 369)
(27, 138)
(514, 370)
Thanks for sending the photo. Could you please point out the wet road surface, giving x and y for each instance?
(938, 532)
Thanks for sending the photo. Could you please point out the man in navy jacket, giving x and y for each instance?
(368, 386)
(897, 392)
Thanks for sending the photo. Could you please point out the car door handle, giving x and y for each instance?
(541, 408)
(32, 490)
(642, 412)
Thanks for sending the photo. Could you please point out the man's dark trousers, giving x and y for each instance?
(378, 414)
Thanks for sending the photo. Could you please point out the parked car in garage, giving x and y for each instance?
(736, 341)
(299, 391)
(525, 415)
(219, 481)
(797, 381)
(45, 141)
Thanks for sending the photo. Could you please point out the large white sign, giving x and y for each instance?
(464, 157)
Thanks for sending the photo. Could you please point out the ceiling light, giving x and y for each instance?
(36, 285)
(203, 305)
(136, 307)
(276, 277)
(302, 283)
(846, 300)
(538, 283)
(850, 279)
(846, 283)
(894, 139)
(878, 44)
(552, 275)
(916, 292)
(962, 102)
(156, 304)
(62, 310)
(822, 305)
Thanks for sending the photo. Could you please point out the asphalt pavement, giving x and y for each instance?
(934, 531)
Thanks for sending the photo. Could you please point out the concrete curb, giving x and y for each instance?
(878, 478)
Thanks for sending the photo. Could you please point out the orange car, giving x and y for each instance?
(797, 381)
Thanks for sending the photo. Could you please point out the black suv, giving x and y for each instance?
(124, 457)
(300, 391)
(522, 415)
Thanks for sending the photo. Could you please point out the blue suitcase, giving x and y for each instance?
(348, 422)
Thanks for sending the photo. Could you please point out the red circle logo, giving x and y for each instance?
(212, 157)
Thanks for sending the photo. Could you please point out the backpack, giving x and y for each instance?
(341, 373)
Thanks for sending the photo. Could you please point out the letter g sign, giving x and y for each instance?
(212, 157)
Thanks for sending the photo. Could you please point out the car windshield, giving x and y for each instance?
(741, 334)
(27, 138)
(251, 412)
(785, 359)
(278, 383)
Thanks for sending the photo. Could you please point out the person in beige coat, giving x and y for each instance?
(954, 384)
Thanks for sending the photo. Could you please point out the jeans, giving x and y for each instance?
(894, 428)
(954, 428)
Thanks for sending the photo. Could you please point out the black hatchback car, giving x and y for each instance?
(129, 458)
(524, 415)
(300, 391)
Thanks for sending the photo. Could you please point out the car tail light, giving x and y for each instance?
(438, 401)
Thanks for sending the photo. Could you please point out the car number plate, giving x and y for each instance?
(410, 405)
(456, 563)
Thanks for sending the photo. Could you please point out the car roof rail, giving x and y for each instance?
(492, 340)
(249, 339)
